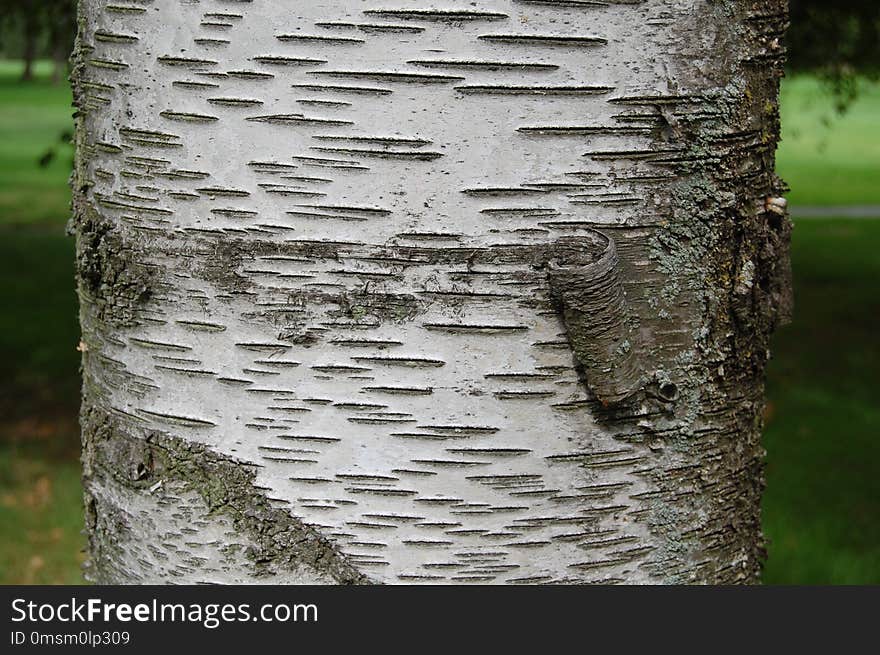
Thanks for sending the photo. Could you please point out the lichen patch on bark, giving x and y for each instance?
(134, 478)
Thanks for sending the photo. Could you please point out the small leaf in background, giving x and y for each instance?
(46, 158)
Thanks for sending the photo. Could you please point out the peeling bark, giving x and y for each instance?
(387, 293)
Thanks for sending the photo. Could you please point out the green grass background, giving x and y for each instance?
(822, 505)
(829, 160)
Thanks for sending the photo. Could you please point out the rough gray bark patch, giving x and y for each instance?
(465, 292)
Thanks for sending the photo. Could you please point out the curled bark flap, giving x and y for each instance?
(597, 317)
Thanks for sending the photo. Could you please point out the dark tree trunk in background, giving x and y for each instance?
(61, 30)
(30, 35)
(393, 291)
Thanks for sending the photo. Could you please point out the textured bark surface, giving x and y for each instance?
(382, 292)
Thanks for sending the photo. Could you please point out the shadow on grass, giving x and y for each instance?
(822, 505)
(40, 499)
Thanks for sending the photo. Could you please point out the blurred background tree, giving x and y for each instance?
(838, 40)
(38, 29)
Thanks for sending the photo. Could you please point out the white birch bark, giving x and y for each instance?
(391, 291)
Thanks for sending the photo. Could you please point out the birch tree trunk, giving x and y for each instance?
(392, 292)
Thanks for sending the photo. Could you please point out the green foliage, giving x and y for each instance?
(834, 38)
(30, 29)
(839, 42)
